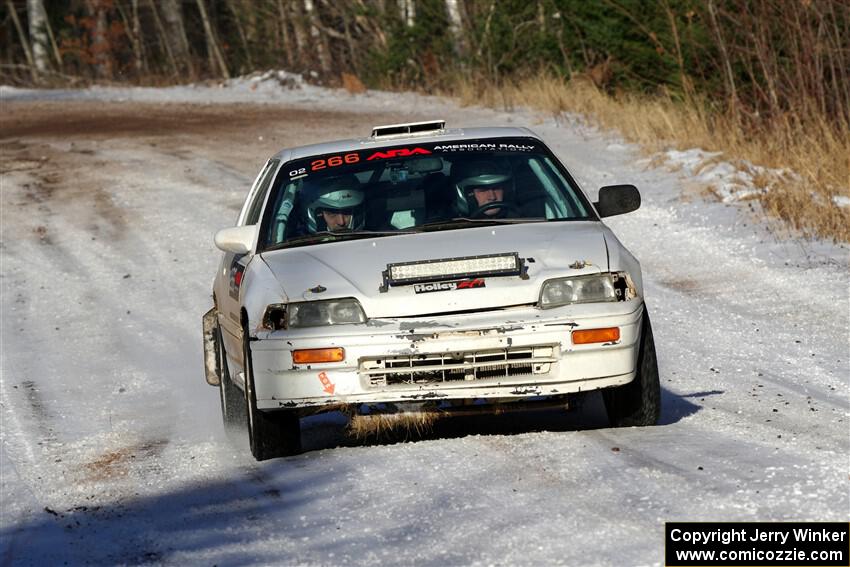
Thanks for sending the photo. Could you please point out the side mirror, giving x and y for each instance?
(237, 239)
(617, 200)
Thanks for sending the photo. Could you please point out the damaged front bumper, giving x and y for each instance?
(510, 354)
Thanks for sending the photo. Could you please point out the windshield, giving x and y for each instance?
(417, 188)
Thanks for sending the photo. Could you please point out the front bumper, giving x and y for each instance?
(513, 354)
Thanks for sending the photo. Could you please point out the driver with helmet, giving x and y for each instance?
(336, 206)
(481, 187)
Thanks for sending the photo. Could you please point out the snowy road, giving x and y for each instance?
(112, 448)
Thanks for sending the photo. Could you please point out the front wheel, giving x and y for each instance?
(637, 403)
(270, 434)
(232, 398)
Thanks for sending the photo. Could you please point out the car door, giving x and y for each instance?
(232, 267)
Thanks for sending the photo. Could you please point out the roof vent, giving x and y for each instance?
(413, 128)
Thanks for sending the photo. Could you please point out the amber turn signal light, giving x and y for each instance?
(596, 336)
(313, 355)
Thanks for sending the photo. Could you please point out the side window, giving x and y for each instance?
(243, 212)
(282, 208)
(564, 200)
(256, 206)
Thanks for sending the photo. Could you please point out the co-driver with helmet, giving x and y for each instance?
(336, 205)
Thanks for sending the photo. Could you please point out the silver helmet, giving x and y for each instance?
(481, 173)
(336, 194)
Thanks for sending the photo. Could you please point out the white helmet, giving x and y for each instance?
(338, 194)
(480, 173)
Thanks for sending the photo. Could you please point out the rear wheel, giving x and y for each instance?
(232, 398)
(637, 403)
(271, 434)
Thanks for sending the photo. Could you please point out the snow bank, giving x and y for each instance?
(266, 87)
(841, 201)
(731, 180)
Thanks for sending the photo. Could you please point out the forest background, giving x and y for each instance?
(764, 83)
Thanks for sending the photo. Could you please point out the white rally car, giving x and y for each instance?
(429, 269)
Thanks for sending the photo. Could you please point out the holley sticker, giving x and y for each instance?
(448, 286)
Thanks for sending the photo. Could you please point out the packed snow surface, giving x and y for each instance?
(112, 447)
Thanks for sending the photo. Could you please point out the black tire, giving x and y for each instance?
(637, 403)
(271, 434)
(232, 398)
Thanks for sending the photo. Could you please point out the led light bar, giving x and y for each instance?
(404, 273)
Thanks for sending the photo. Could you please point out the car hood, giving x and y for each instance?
(354, 268)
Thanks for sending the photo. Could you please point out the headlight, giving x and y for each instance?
(580, 289)
(314, 314)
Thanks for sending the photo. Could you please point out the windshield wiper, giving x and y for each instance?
(326, 235)
(465, 222)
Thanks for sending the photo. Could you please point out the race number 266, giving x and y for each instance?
(334, 161)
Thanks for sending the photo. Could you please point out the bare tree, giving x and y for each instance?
(132, 25)
(100, 47)
(212, 44)
(175, 34)
(249, 10)
(56, 53)
(674, 29)
(299, 30)
(162, 36)
(456, 27)
(728, 77)
(320, 41)
(38, 34)
(240, 11)
(290, 54)
(407, 11)
(25, 44)
(371, 28)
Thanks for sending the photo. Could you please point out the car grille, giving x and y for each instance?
(457, 366)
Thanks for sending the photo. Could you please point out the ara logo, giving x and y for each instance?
(398, 152)
(446, 286)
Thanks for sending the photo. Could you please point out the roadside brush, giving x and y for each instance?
(392, 425)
